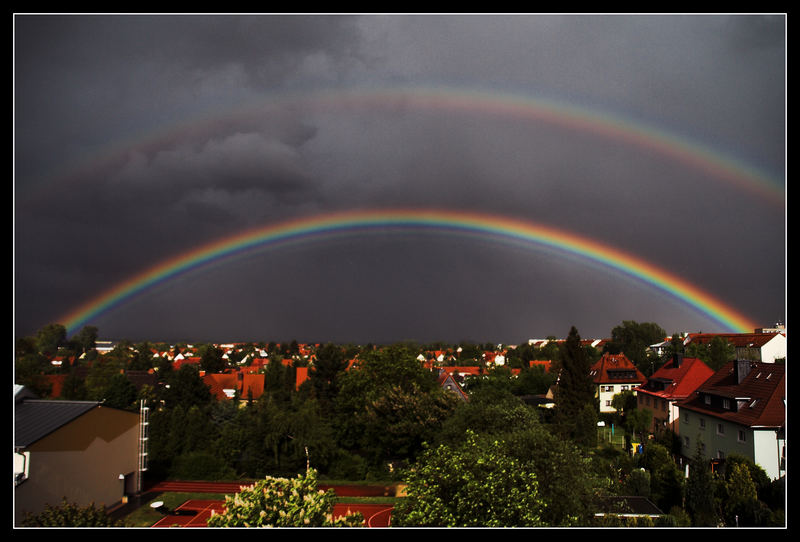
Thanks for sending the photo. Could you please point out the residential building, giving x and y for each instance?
(740, 409)
(613, 374)
(764, 347)
(675, 381)
(78, 450)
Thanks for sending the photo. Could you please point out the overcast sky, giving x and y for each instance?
(138, 138)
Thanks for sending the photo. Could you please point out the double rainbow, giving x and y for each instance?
(527, 233)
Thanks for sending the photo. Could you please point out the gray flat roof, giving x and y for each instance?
(34, 419)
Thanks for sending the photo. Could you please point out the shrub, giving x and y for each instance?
(283, 502)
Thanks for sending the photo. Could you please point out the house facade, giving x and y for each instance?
(740, 409)
(613, 374)
(763, 347)
(78, 450)
(675, 381)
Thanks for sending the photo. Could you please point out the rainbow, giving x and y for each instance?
(492, 103)
(509, 229)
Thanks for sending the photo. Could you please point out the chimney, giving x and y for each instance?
(677, 359)
(741, 369)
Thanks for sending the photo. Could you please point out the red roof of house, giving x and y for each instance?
(301, 375)
(679, 382)
(616, 369)
(217, 382)
(546, 363)
(447, 381)
(252, 383)
(762, 394)
(756, 340)
(465, 369)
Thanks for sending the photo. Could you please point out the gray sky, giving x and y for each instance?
(138, 138)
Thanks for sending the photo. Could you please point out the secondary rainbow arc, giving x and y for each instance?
(464, 101)
(512, 229)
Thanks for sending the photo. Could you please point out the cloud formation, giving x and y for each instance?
(139, 137)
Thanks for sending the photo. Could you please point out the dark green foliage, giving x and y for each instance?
(120, 393)
(474, 484)
(633, 339)
(699, 501)
(575, 394)
(70, 515)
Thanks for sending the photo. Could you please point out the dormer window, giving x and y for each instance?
(726, 404)
(707, 399)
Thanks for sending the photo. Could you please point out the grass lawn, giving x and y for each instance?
(145, 516)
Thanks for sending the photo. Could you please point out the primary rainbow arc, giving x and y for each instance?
(442, 220)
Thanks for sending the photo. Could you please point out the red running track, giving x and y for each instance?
(195, 513)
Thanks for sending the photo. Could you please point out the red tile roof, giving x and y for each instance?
(680, 381)
(252, 383)
(756, 340)
(616, 369)
(218, 382)
(762, 394)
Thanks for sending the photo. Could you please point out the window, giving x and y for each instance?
(702, 423)
(726, 404)
(624, 387)
(686, 441)
(686, 417)
(742, 437)
(608, 403)
(720, 454)
(720, 429)
(707, 399)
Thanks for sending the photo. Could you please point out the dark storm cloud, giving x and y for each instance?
(136, 138)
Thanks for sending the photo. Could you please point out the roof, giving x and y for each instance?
(34, 419)
(756, 340)
(616, 369)
(447, 382)
(219, 382)
(762, 392)
(252, 385)
(680, 381)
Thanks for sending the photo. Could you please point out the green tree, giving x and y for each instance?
(120, 393)
(283, 502)
(473, 485)
(575, 390)
(49, 338)
(70, 515)
(741, 507)
(700, 491)
(185, 387)
(324, 375)
(720, 352)
(211, 360)
(633, 339)
(86, 339)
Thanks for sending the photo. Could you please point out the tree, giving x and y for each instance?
(700, 491)
(575, 388)
(186, 388)
(720, 352)
(324, 376)
(49, 338)
(633, 339)
(85, 339)
(283, 502)
(475, 484)
(120, 393)
(211, 360)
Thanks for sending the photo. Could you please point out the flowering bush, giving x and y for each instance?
(283, 502)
